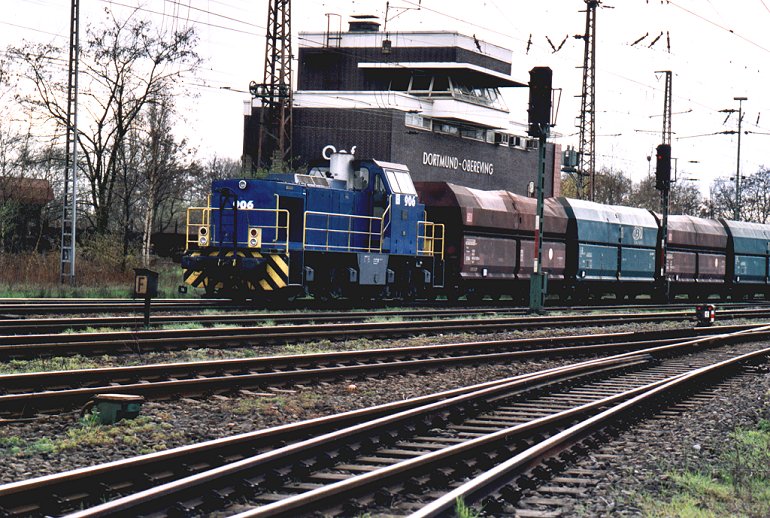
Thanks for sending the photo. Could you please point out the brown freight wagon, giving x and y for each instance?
(696, 257)
(490, 240)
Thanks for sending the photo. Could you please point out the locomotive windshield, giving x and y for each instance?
(400, 182)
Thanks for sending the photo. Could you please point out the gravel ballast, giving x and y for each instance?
(59, 443)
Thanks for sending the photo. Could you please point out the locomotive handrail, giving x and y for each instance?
(433, 234)
(349, 233)
(280, 232)
(205, 221)
(384, 226)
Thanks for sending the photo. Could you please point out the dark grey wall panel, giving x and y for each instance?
(337, 69)
(381, 134)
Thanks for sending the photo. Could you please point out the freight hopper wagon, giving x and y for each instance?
(696, 257)
(610, 250)
(349, 228)
(748, 259)
(490, 240)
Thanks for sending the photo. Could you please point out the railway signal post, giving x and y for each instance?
(663, 183)
(146, 287)
(540, 90)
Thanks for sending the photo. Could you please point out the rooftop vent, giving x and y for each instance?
(364, 23)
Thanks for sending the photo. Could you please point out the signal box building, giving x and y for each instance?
(430, 100)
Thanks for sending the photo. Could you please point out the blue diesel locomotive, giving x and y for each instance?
(351, 228)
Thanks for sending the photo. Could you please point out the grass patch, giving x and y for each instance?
(280, 405)
(142, 433)
(99, 275)
(739, 485)
(463, 511)
(66, 363)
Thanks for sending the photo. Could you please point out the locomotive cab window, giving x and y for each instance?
(400, 182)
(361, 179)
(379, 196)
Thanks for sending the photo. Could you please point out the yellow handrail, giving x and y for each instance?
(349, 233)
(431, 239)
(198, 217)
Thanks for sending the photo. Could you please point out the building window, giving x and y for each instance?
(446, 129)
(473, 134)
(421, 83)
(414, 120)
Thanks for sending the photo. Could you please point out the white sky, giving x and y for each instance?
(718, 52)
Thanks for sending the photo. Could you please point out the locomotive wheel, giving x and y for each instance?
(334, 290)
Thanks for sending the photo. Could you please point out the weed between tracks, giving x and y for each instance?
(142, 433)
(463, 511)
(738, 485)
(294, 406)
(66, 363)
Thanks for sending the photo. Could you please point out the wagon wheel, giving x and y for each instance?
(474, 296)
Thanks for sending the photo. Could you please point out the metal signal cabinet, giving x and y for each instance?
(748, 254)
(332, 232)
(610, 248)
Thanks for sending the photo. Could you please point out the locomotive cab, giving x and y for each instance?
(347, 227)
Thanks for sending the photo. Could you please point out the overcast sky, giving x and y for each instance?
(717, 51)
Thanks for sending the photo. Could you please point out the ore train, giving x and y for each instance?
(362, 229)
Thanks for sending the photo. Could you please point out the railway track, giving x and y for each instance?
(57, 325)
(18, 326)
(22, 347)
(23, 395)
(413, 456)
(17, 308)
(11, 308)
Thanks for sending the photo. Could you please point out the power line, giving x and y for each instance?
(720, 26)
(216, 26)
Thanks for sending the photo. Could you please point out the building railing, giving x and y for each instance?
(272, 225)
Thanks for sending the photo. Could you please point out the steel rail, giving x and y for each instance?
(17, 326)
(133, 503)
(47, 345)
(49, 325)
(130, 503)
(26, 496)
(27, 393)
(491, 480)
(19, 309)
(314, 498)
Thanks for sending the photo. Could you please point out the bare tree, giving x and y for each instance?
(162, 166)
(125, 66)
(685, 199)
(755, 197)
(611, 187)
